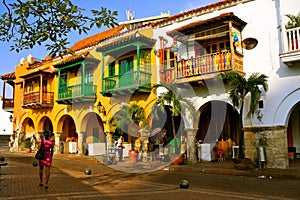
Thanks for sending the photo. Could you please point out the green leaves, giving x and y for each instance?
(173, 98)
(49, 22)
(294, 21)
(240, 87)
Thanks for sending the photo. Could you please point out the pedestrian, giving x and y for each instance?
(46, 163)
(11, 142)
(33, 140)
(120, 147)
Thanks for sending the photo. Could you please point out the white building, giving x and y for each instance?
(209, 33)
(6, 126)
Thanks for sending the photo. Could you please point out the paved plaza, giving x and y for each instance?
(19, 179)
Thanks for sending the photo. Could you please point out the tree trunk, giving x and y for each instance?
(174, 133)
(241, 142)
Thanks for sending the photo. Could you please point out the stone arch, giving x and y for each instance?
(218, 124)
(92, 128)
(286, 106)
(45, 123)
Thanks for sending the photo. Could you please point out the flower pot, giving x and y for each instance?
(28, 150)
(177, 160)
(240, 166)
(133, 155)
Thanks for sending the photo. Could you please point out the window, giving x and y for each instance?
(88, 75)
(216, 47)
(63, 80)
(28, 87)
(112, 68)
(125, 65)
(44, 86)
(169, 58)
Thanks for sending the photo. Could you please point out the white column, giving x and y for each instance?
(57, 144)
(191, 145)
(80, 143)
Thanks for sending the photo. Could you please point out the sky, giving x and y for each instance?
(141, 9)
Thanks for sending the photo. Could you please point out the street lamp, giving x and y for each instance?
(101, 108)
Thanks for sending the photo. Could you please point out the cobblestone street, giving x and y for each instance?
(19, 180)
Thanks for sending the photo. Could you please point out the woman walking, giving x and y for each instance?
(46, 163)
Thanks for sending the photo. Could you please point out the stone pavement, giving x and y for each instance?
(20, 179)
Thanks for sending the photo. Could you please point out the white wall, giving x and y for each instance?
(6, 126)
(263, 19)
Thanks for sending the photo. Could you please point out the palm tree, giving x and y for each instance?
(129, 118)
(240, 88)
(179, 104)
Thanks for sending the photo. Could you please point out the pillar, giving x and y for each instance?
(57, 143)
(109, 139)
(145, 142)
(191, 145)
(80, 143)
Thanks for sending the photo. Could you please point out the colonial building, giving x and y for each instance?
(77, 95)
(221, 37)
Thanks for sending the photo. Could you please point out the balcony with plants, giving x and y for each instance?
(126, 64)
(291, 41)
(202, 49)
(76, 79)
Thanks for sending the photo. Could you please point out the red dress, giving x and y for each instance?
(49, 144)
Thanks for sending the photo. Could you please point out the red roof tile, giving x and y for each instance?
(207, 8)
(76, 58)
(8, 76)
(96, 39)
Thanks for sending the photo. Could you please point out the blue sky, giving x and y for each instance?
(141, 9)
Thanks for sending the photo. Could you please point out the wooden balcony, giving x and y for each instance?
(35, 100)
(133, 80)
(203, 67)
(77, 93)
(8, 104)
(291, 42)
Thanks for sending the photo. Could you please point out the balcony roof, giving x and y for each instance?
(10, 76)
(127, 40)
(211, 21)
(47, 70)
(86, 56)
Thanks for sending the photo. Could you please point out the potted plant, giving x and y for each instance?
(27, 145)
(294, 22)
(130, 119)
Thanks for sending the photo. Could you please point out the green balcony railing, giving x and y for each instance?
(132, 79)
(77, 91)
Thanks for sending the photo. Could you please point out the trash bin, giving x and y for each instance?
(261, 157)
(61, 147)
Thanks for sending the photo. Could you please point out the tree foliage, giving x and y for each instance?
(240, 87)
(179, 104)
(294, 21)
(49, 22)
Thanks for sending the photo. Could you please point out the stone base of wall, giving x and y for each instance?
(274, 142)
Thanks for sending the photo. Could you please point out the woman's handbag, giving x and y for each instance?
(40, 154)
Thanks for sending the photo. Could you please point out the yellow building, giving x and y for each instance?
(74, 96)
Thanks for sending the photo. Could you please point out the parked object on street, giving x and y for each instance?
(184, 184)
